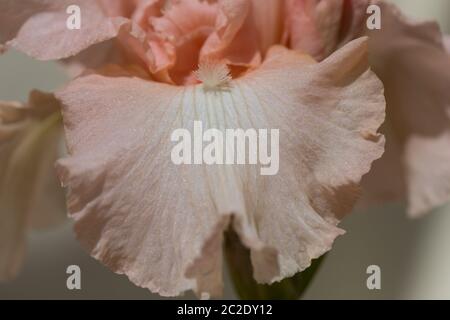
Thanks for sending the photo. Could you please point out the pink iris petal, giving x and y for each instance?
(162, 225)
(412, 62)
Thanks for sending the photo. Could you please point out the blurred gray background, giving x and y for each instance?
(414, 255)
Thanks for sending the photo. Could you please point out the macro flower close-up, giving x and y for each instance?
(197, 134)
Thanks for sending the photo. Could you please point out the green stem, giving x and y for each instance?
(240, 268)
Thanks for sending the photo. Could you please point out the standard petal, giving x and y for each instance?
(120, 8)
(268, 16)
(132, 45)
(411, 60)
(235, 38)
(354, 19)
(313, 26)
(162, 225)
(29, 193)
(186, 25)
(39, 27)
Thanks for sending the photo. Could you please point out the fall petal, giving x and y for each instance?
(411, 60)
(159, 233)
(49, 206)
(29, 141)
(39, 27)
(447, 43)
(428, 173)
(386, 180)
(162, 224)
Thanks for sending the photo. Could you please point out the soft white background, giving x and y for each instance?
(414, 255)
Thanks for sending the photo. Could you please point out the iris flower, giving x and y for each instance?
(148, 67)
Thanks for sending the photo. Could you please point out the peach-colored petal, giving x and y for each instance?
(313, 26)
(150, 50)
(29, 192)
(186, 25)
(186, 19)
(411, 60)
(269, 20)
(447, 43)
(162, 224)
(97, 56)
(386, 180)
(135, 44)
(119, 8)
(235, 39)
(39, 27)
(353, 22)
(146, 10)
